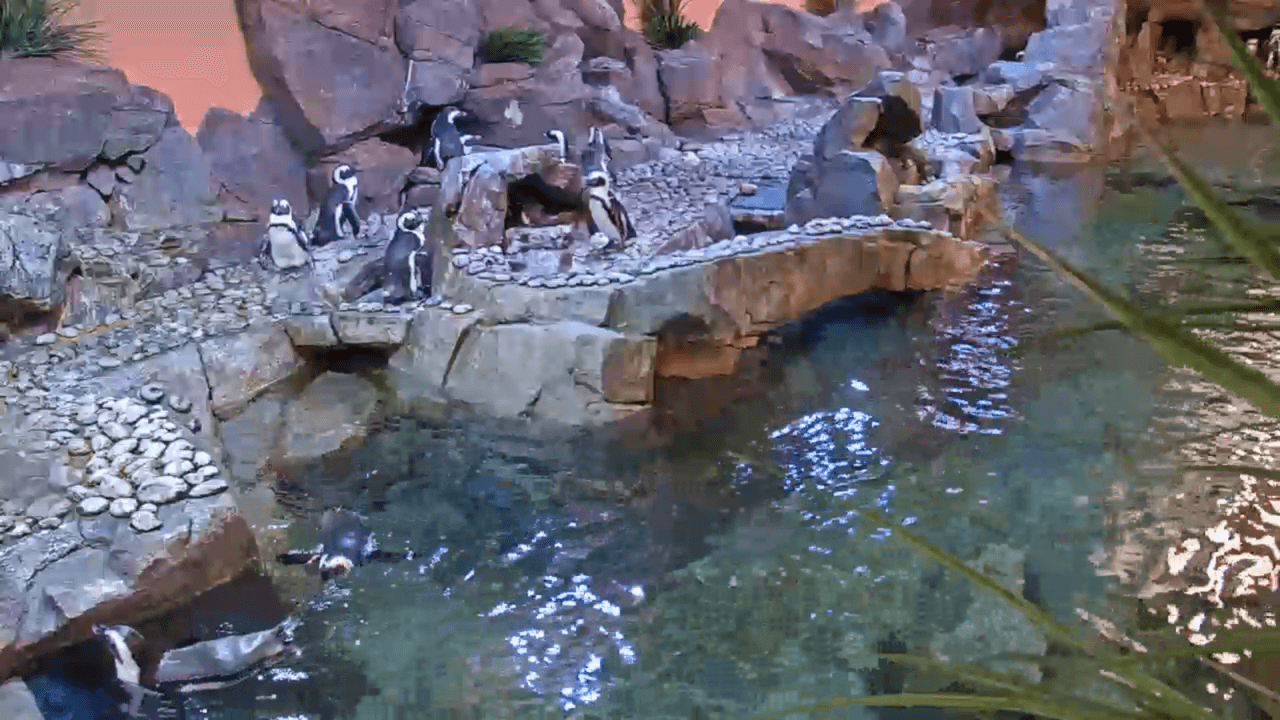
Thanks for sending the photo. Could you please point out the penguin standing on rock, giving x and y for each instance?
(557, 137)
(606, 215)
(346, 541)
(339, 207)
(285, 243)
(447, 141)
(407, 262)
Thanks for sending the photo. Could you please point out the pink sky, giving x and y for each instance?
(192, 50)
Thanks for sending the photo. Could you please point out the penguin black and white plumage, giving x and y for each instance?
(597, 157)
(562, 143)
(225, 661)
(447, 141)
(407, 262)
(285, 243)
(339, 207)
(606, 215)
(346, 541)
(124, 644)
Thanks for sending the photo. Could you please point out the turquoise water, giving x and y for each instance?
(718, 567)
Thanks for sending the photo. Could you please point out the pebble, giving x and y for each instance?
(122, 507)
(144, 521)
(114, 431)
(46, 339)
(94, 505)
(107, 362)
(79, 492)
(151, 393)
(77, 447)
(179, 404)
(462, 309)
(161, 490)
(114, 488)
(209, 487)
(20, 530)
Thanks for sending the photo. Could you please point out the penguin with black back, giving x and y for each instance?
(346, 541)
(339, 207)
(407, 263)
(447, 141)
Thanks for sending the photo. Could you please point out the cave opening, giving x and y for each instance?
(751, 227)
(1256, 40)
(1178, 37)
(346, 359)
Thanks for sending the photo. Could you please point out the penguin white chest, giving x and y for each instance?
(600, 216)
(286, 253)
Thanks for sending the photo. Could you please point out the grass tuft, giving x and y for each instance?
(40, 28)
(513, 44)
(666, 24)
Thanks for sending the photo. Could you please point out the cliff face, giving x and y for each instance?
(1178, 66)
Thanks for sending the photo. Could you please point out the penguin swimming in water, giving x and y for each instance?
(447, 141)
(557, 137)
(407, 262)
(346, 541)
(285, 243)
(339, 207)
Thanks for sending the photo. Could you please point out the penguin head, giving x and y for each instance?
(121, 639)
(335, 566)
(409, 220)
(281, 207)
(343, 173)
(597, 179)
(452, 114)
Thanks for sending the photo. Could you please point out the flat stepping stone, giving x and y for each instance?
(209, 487)
(179, 404)
(92, 506)
(151, 394)
(144, 521)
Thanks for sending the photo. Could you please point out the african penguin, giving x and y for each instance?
(346, 541)
(339, 206)
(285, 242)
(447, 141)
(557, 137)
(128, 675)
(594, 158)
(225, 661)
(407, 262)
(606, 214)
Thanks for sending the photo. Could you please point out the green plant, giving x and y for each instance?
(513, 44)
(666, 24)
(40, 28)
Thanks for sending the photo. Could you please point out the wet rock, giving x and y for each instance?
(331, 413)
(240, 367)
(576, 373)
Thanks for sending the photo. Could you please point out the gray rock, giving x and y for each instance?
(240, 367)
(17, 702)
(370, 329)
(151, 393)
(331, 413)
(1020, 76)
(123, 507)
(212, 486)
(93, 505)
(34, 255)
(49, 506)
(953, 110)
(144, 521)
(161, 490)
(1067, 112)
(175, 188)
(114, 488)
(848, 128)
(179, 404)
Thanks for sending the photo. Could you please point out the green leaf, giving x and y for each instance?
(1248, 239)
(1264, 88)
(1177, 346)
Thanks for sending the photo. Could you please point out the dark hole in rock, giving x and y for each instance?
(1261, 35)
(413, 136)
(1014, 112)
(170, 243)
(753, 225)
(1010, 54)
(1178, 37)
(963, 78)
(20, 316)
(1003, 157)
(347, 359)
(683, 327)
(540, 200)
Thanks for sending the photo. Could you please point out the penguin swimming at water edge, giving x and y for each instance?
(346, 541)
(447, 141)
(339, 207)
(285, 243)
(408, 261)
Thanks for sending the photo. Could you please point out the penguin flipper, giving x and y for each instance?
(349, 214)
(297, 558)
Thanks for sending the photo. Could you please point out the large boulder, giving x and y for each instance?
(175, 186)
(1015, 20)
(962, 53)
(1067, 111)
(517, 103)
(384, 169)
(34, 261)
(329, 86)
(690, 80)
(252, 162)
(63, 115)
(440, 38)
